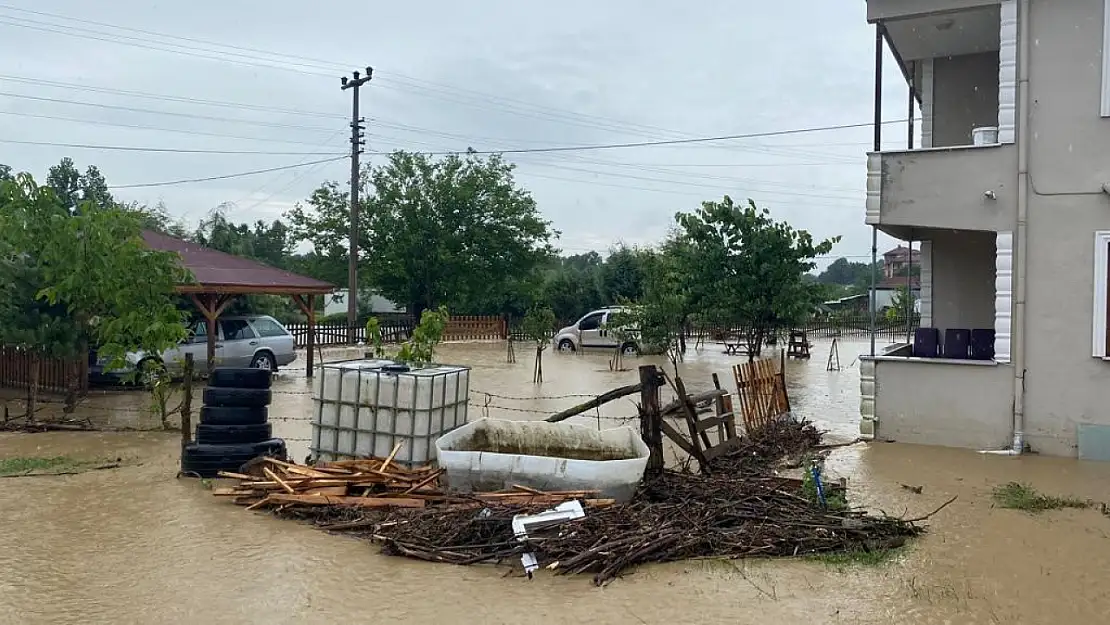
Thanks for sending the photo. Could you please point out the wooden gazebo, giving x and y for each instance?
(218, 277)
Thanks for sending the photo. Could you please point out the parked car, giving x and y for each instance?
(593, 330)
(256, 341)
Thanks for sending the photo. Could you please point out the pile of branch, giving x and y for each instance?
(740, 510)
(679, 516)
(762, 450)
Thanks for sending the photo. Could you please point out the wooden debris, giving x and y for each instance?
(374, 484)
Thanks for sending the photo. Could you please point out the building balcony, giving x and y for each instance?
(960, 188)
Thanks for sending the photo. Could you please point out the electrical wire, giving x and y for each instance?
(97, 122)
(132, 109)
(223, 177)
(38, 82)
(288, 60)
(645, 144)
(129, 148)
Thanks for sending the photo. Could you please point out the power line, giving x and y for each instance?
(97, 122)
(168, 36)
(132, 109)
(168, 98)
(321, 64)
(230, 57)
(129, 148)
(645, 144)
(225, 176)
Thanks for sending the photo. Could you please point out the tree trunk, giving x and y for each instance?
(537, 376)
(33, 387)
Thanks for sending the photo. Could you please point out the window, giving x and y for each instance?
(1101, 310)
(591, 322)
(199, 332)
(1106, 58)
(268, 327)
(236, 330)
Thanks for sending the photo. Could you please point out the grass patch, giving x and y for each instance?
(34, 465)
(1019, 496)
(859, 557)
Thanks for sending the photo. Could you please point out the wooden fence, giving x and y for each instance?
(761, 389)
(55, 375)
(396, 330)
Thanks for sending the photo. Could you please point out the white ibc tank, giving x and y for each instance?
(365, 407)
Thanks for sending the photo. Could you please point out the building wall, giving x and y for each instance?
(965, 96)
(973, 411)
(962, 268)
(1069, 162)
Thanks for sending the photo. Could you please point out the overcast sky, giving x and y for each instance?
(448, 75)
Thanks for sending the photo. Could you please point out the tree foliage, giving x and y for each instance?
(749, 268)
(89, 273)
(455, 231)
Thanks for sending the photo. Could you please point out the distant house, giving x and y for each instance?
(899, 261)
(336, 304)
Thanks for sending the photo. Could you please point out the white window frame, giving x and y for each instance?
(1106, 58)
(1102, 274)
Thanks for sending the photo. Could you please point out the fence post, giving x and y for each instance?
(651, 422)
(187, 403)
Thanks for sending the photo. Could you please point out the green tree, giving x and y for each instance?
(455, 231)
(845, 272)
(84, 277)
(901, 304)
(74, 188)
(539, 327)
(661, 315)
(622, 275)
(749, 268)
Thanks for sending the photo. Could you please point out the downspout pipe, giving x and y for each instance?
(1018, 331)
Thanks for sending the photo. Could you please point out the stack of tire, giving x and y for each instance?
(234, 423)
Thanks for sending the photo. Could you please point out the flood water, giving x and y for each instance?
(136, 545)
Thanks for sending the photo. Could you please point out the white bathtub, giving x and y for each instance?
(491, 454)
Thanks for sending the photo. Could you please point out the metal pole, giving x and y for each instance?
(877, 147)
(909, 290)
(909, 106)
(356, 149)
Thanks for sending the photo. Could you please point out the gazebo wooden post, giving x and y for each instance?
(308, 307)
(211, 306)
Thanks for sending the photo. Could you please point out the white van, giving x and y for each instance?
(593, 331)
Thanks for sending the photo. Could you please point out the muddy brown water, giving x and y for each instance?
(136, 545)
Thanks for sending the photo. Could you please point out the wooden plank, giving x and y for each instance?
(678, 439)
(273, 476)
(722, 449)
(712, 422)
(358, 502)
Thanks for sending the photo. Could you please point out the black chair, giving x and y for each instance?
(957, 343)
(926, 342)
(982, 344)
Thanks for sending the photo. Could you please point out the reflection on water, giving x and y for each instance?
(136, 545)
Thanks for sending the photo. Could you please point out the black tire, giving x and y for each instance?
(208, 434)
(233, 415)
(237, 397)
(273, 447)
(240, 378)
(208, 460)
(566, 345)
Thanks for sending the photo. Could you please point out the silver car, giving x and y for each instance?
(594, 330)
(256, 341)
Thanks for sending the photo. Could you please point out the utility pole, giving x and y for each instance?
(357, 142)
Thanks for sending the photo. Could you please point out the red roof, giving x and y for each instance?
(219, 272)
